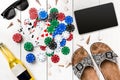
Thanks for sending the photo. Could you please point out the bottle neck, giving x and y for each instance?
(7, 53)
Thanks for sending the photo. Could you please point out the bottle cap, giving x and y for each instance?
(41, 57)
(70, 37)
(53, 45)
(63, 43)
(68, 19)
(70, 28)
(61, 16)
(30, 58)
(43, 15)
(47, 40)
(17, 37)
(54, 23)
(55, 58)
(65, 50)
(28, 46)
(54, 10)
(50, 54)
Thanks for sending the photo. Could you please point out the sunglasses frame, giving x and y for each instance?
(12, 6)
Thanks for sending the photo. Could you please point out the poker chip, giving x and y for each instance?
(33, 13)
(65, 34)
(63, 43)
(61, 16)
(43, 15)
(70, 28)
(50, 29)
(68, 19)
(41, 57)
(52, 16)
(52, 45)
(28, 46)
(70, 37)
(54, 23)
(54, 10)
(55, 58)
(48, 50)
(47, 40)
(50, 54)
(58, 38)
(62, 27)
(17, 37)
(65, 50)
(30, 58)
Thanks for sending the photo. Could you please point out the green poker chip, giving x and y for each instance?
(50, 54)
(65, 50)
(54, 23)
(51, 29)
(54, 10)
(47, 40)
(28, 46)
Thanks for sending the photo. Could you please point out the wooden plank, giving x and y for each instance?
(81, 39)
(58, 71)
(38, 69)
(6, 37)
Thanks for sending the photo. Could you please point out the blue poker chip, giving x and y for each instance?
(68, 19)
(30, 58)
(43, 15)
(55, 33)
(63, 43)
(62, 27)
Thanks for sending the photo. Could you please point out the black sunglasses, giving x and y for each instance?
(9, 13)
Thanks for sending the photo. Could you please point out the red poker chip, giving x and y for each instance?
(17, 37)
(70, 37)
(32, 10)
(61, 16)
(33, 13)
(33, 16)
(55, 58)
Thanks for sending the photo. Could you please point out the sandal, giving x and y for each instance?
(106, 60)
(83, 66)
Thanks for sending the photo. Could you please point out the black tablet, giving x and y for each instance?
(96, 18)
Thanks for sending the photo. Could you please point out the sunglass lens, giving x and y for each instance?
(22, 5)
(9, 14)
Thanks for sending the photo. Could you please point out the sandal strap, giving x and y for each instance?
(110, 55)
(80, 67)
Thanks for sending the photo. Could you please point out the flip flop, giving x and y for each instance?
(106, 60)
(83, 66)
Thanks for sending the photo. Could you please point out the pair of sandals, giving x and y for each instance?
(103, 56)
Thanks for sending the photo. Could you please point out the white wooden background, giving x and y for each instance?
(48, 70)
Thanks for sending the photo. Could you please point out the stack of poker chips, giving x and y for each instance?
(60, 30)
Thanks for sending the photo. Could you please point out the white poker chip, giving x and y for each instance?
(65, 34)
(58, 49)
(48, 50)
(58, 38)
(41, 57)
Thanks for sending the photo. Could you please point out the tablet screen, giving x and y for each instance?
(96, 18)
